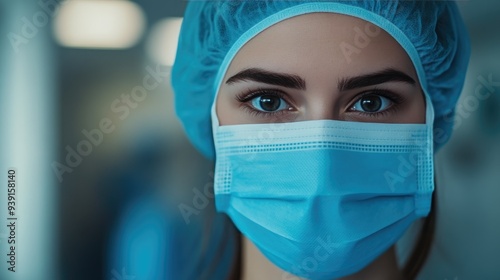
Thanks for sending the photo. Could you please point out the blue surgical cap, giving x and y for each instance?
(431, 32)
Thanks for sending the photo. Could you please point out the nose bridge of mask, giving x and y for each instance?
(355, 133)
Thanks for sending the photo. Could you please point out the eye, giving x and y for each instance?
(269, 103)
(371, 103)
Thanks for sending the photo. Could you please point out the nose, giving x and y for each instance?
(321, 109)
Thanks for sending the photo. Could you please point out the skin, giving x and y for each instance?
(308, 47)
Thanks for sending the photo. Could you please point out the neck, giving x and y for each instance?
(385, 267)
(255, 266)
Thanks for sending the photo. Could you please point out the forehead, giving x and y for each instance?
(322, 45)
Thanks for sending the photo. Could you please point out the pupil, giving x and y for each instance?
(371, 103)
(269, 103)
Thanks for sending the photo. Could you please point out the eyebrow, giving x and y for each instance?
(384, 76)
(268, 77)
(296, 82)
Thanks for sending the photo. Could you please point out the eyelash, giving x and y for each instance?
(250, 94)
(396, 99)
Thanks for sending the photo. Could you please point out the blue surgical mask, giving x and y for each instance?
(322, 199)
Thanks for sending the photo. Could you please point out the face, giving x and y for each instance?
(321, 66)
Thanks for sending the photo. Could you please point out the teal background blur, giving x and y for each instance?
(96, 155)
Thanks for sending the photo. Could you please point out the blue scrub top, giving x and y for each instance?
(151, 243)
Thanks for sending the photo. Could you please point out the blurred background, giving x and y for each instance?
(103, 166)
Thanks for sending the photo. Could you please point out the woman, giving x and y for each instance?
(323, 118)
